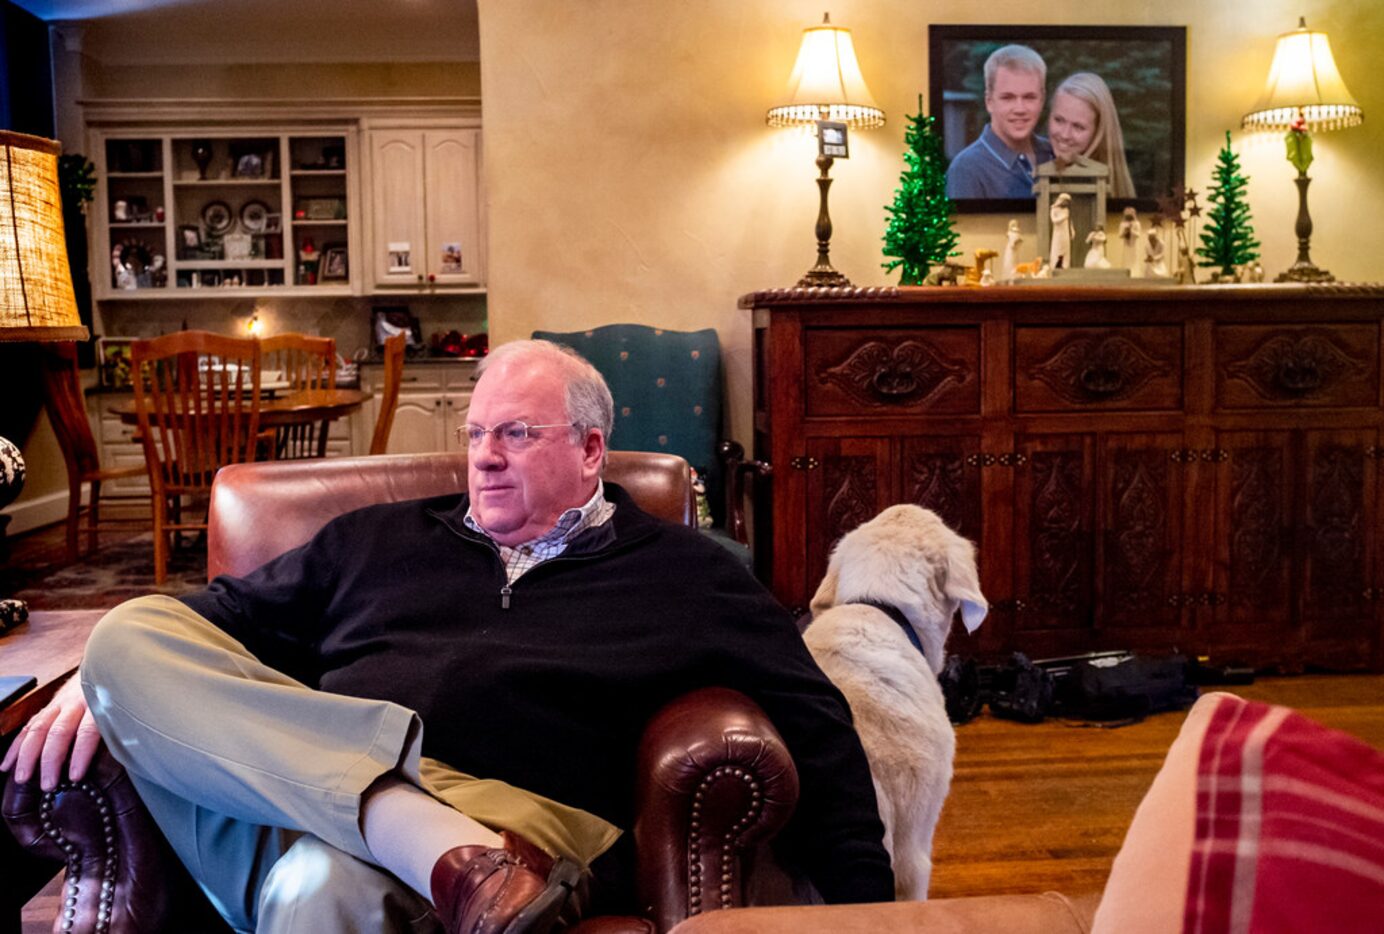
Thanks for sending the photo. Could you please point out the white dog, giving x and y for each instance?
(904, 558)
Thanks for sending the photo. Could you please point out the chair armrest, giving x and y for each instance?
(737, 471)
(121, 873)
(715, 781)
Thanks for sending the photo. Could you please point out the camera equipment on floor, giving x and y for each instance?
(1100, 686)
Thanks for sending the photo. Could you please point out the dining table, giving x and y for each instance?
(300, 407)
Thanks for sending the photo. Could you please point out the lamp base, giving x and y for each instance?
(1304, 272)
(823, 277)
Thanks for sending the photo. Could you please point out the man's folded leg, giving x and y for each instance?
(225, 749)
(269, 880)
(186, 708)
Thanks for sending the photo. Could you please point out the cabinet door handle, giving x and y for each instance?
(449, 403)
(432, 278)
(438, 404)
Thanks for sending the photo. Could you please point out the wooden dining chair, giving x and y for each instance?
(304, 362)
(197, 399)
(389, 395)
(68, 414)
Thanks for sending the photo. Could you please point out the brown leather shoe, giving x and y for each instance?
(516, 889)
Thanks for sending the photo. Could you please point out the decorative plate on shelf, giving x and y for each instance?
(254, 215)
(217, 217)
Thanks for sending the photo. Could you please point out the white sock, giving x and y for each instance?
(407, 830)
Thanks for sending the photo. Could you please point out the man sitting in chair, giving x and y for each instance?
(429, 714)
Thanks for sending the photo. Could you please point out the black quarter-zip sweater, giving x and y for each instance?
(402, 602)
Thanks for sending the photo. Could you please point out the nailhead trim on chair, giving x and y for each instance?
(109, 862)
(728, 842)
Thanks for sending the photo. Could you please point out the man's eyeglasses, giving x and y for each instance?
(511, 435)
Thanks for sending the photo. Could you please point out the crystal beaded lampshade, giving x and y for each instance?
(1304, 81)
(36, 299)
(826, 83)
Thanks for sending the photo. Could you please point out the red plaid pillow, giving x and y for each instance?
(1290, 826)
(1259, 821)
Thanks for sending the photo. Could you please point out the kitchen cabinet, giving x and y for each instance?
(434, 397)
(209, 211)
(426, 230)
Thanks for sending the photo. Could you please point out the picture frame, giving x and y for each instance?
(113, 362)
(1145, 68)
(832, 139)
(388, 320)
(320, 209)
(333, 266)
(273, 223)
(189, 238)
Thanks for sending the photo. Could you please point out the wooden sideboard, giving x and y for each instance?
(1189, 468)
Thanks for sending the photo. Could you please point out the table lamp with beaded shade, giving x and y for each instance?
(36, 298)
(826, 84)
(1304, 94)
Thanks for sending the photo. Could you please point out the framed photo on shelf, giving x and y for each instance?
(320, 209)
(273, 223)
(189, 237)
(334, 264)
(1143, 67)
(113, 361)
(388, 320)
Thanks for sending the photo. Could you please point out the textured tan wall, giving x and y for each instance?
(632, 178)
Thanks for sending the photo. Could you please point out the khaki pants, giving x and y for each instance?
(256, 779)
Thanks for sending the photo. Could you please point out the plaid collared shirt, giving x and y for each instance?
(520, 559)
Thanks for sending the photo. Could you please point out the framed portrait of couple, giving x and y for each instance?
(1008, 98)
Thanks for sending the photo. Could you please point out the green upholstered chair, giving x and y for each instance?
(667, 389)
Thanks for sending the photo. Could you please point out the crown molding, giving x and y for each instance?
(203, 112)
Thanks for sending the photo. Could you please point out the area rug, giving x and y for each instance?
(116, 572)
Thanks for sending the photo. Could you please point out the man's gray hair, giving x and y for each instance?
(589, 403)
(1018, 58)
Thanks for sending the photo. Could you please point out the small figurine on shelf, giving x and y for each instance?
(1060, 255)
(124, 273)
(980, 273)
(307, 263)
(201, 156)
(1095, 256)
(1011, 251)
(1130, 232)
(1155, 256)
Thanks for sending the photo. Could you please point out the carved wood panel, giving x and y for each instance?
(1255, 509)
(1058, 369)
(879, 372)
(1054, 560)
(848, 486)
(1336, 521)
(1259, 366)
(936, 475)
(1141, 530)
(1340, 604)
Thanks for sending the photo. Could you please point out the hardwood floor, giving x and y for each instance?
(1046, 806)
(1032, 807)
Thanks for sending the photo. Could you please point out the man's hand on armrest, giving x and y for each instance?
(64, 726)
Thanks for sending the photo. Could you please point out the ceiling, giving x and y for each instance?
(219, 32)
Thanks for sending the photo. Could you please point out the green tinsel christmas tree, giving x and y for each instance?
(921, 231)
(1227, 239)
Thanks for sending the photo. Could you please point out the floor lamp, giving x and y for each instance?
(36, 299)
(1304, 93)
(826, 85)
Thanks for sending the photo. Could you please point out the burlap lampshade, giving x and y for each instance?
(36, 300)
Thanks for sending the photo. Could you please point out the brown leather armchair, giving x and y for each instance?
(716, 782)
